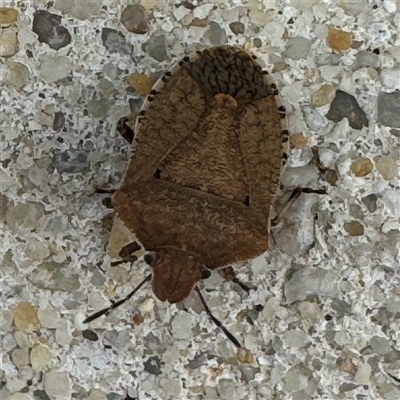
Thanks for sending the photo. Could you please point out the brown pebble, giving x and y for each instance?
(362, 167)
(339, 40)
(141, 83)
(331, 176)
(138, 319)
(8, 15)
(298, 141)
(245, 356)
(25, 317)
(200, 23)
(354, 228)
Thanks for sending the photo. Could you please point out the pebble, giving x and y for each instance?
(339, 40)
(245, 356)
(58, 384)
(390, 78)
(352, 7)
(298, 141)
(17, 74)
(141, 83)
(134, 19)
(25, 317)
(4, 202)
(49, 317)
(366, 58)
(295, 380)
(37, 249)
(72, 161)
(153, 365)
(370, 202)
(388, 109)
(25, 215)
(40, 357)
(96, 394)
(99, 108)
(362, 167)
(387, 167)
(200, 23)
(8, 42)
(296, 338)
(216, 35)
(54, 68)
(354, 228)
(59, 120)
(380, 345)
(115, 42)
(323, 96)
(49, 30)
(46, 115)
(119, 339)
(171, 388)
(156, 47)
(379, 32)
(8, 15)
(363, 374)
(344, 105)
(82, 10)
(310, 281)
(299, 177)
(147, 305)
(182, 327)
(20, 357)
(297, 48)
(237, 27)
(302, 5)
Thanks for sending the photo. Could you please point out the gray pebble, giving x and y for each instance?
(299, 177)
(72, 161)
(49, 30)
(366, 58)
(17, 74)
(344, 105)
(25, 215)
(40, 395)
(99, 108)
(388, 109)
(59, 121)
(119, 339)
(156, 47)
(54, 68)
(216, 34)
(380, 345)
(153, 365)
(370, 202)
(115, 42)
(297, 48)
(309, 281)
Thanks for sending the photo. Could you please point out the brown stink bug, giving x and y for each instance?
(205, 166)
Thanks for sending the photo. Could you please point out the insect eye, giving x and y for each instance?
(149, 258)
(205, 273)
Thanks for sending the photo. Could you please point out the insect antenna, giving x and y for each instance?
(216, 321)
(117, 303)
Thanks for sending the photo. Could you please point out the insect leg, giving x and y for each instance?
(117, 303)
(293, 197)
(216, 321)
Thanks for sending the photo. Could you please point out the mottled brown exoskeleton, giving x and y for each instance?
(205, 165)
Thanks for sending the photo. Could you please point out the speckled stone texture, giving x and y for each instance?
(321, 320)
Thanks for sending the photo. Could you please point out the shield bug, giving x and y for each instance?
(206, 162)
